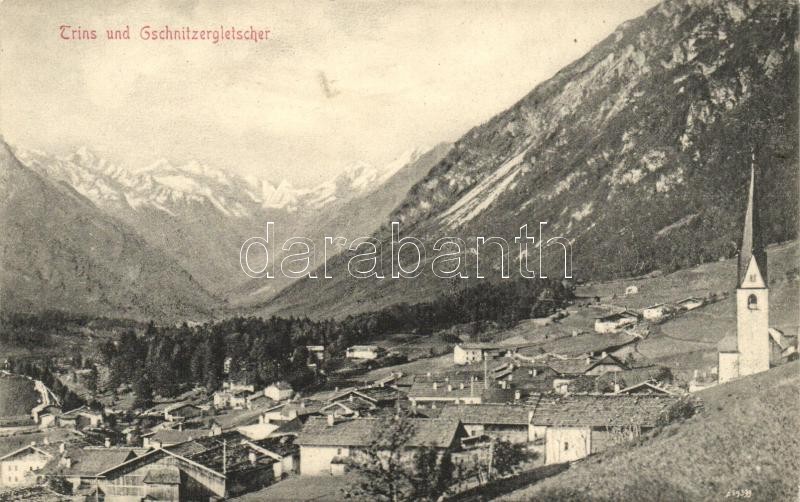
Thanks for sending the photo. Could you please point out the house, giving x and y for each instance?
(500, 421)
(283, 450)
(423, 394)
(364, 352)
(783, 348)
(288, 411)
(232, 386)
(574, 367)
(181, 411)
(46, 416)
(317, 351)
(19, 467)
(574, 427)
(466, 353)
(81, 467)
(690, 303)
(279, 391)
(326, 444)
(615, 322)
(160, 475)
(259, 400)
(236, 399)
(80, 418)
(655, 312)
(374, 397)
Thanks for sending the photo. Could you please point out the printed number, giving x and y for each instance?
(739, 494)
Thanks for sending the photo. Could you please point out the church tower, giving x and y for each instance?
(752, 293)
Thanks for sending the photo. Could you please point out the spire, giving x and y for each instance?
(752, 241)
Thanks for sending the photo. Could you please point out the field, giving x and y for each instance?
(744, 438)
(17, 396)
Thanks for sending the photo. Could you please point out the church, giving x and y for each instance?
(755, 345)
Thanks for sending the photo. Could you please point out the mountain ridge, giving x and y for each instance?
(638, 153)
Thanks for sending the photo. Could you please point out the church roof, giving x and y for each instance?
(752, 245)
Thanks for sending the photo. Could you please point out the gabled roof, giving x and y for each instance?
(646, 386)
(602, 410)
(30, 448)
(154, 455)
(90, 462)
(488, 414)
(619, 315)
(360, 432)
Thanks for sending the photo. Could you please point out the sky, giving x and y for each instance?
(335, 82)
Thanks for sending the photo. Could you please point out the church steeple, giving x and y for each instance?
(752, 248)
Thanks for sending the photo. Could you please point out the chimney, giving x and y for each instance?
(616, 387)
(435, 386)
(535, 372)
(252, 457)
(66, 462)
(503, 384)
(588, 361)
(331, 420)
(46, 441)
(107, 442)
(62, 448)
(517, 395)
(428, 374)
(603, 355)
(510, 377)
(336, 389)
(530, 372)
(449, 388)
(461, 386)
(33, 443)
(302, 404)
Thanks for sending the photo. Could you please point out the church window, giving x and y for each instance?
(566, 446)
(752, 302)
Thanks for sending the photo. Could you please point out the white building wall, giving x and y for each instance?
(316, 460)
(728, 368)
(565, 444)
(19, 471)
(466, 356)
(752, 331)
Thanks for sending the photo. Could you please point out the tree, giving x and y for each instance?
(143, 390)
(382, 468)
(506, 456)
(91, 379)
(433, 473)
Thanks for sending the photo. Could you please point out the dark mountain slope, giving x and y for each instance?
(60, 252)
(638, 153)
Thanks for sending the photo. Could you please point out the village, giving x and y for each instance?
(570, 385)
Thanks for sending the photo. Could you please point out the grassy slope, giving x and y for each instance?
(17, 396)
(744, 438)
(690, 341)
